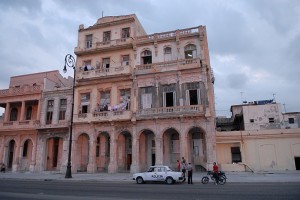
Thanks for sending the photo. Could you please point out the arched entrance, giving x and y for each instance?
(26, 155)
(124, 152)
(10, 154)
(102, 151)
(82, 153)
(171, 147)
(197, 148)
(147, 149)
(54, 153)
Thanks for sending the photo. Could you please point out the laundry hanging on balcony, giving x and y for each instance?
(120, 107)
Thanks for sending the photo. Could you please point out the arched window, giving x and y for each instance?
(146, 57)
(29, 113)
(13, 114)
(168, 54)
(190, 51)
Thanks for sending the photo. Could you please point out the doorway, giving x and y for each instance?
(297, 163)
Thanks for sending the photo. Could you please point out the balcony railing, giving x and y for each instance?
(20, 124)
(170, 34)
(104, 72)
(104, 116)
(101, 45)
(26, 89)
(168, 66)
(177, 110)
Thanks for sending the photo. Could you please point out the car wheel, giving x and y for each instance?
(139, 180)
(205, 180)
(169, 180)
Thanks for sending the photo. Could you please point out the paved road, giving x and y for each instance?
(75, 190)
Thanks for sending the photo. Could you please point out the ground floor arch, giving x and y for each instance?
(11, 154)
(102, 151)
(171, 147)
(147, 154)
(54, 151)
(124, 151)
(26, 155)
(82, 152)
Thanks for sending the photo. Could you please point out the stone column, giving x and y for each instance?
(7, 112)
(184, 146)
(135, 166)
(56, 110)
(22, 115)
(38, 114)
(112, 166)
(158, 150)
(33, 157)
(92, 168)
(17, 155)
(2, 149)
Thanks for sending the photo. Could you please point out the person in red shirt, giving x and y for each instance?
(216, 172)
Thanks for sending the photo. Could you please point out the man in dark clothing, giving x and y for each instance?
(190, 173)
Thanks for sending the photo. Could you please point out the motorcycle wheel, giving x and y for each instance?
(222, 180)
(205, 180)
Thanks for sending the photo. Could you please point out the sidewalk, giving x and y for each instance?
(277, 176)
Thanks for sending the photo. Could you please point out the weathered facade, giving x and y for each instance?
(141, 99)
(19, 127)
(259, 137)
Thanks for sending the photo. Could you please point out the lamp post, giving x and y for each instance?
(70, 62)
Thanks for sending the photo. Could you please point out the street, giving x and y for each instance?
(44, 190)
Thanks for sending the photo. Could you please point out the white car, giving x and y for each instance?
(158, 173)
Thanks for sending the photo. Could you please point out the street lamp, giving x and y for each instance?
(70, 62)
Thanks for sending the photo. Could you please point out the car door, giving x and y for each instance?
(150, 174)
(160, 174)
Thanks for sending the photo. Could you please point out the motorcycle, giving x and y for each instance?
(210, 174)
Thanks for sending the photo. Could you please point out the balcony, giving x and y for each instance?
(175, 65)
(168, 35)
(15, 91)
(105, 116)
(164, 112)
(103, 72)
(60, 124)
(33, 124)
(98, 46)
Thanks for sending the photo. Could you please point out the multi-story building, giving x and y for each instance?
(22, 103)
(259, 137)
(142, 99)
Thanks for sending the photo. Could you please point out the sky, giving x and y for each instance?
(254, 45)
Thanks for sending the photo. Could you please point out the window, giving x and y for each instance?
(146, 97)
(291, 120)
(87, 65)
(236, 154)
(104, 100)
(89, 41)
(168, 54)
(28, 113)
(125, 60)
(13, 114)
(251, 120)
(98, 147)
(125, 33)
(85, 102)
(106, 37)
(146, 57)
(169, 96)
(50, 104)
(106, 64)
(125, 94)
(25, 148)
(271, 120)
(193, 94)
(62, 109)
(190, 51)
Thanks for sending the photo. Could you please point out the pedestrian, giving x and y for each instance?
(3, 168)
(216, 172)
(190, 173)
(178, 165)
(183, 168)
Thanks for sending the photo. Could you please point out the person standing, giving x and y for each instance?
(178, 166)
(190, 173)
(216, 172)
(183, 168)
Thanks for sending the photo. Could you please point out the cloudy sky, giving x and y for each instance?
(254, 44)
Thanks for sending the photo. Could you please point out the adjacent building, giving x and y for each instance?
(259, 137)
(19, 129)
